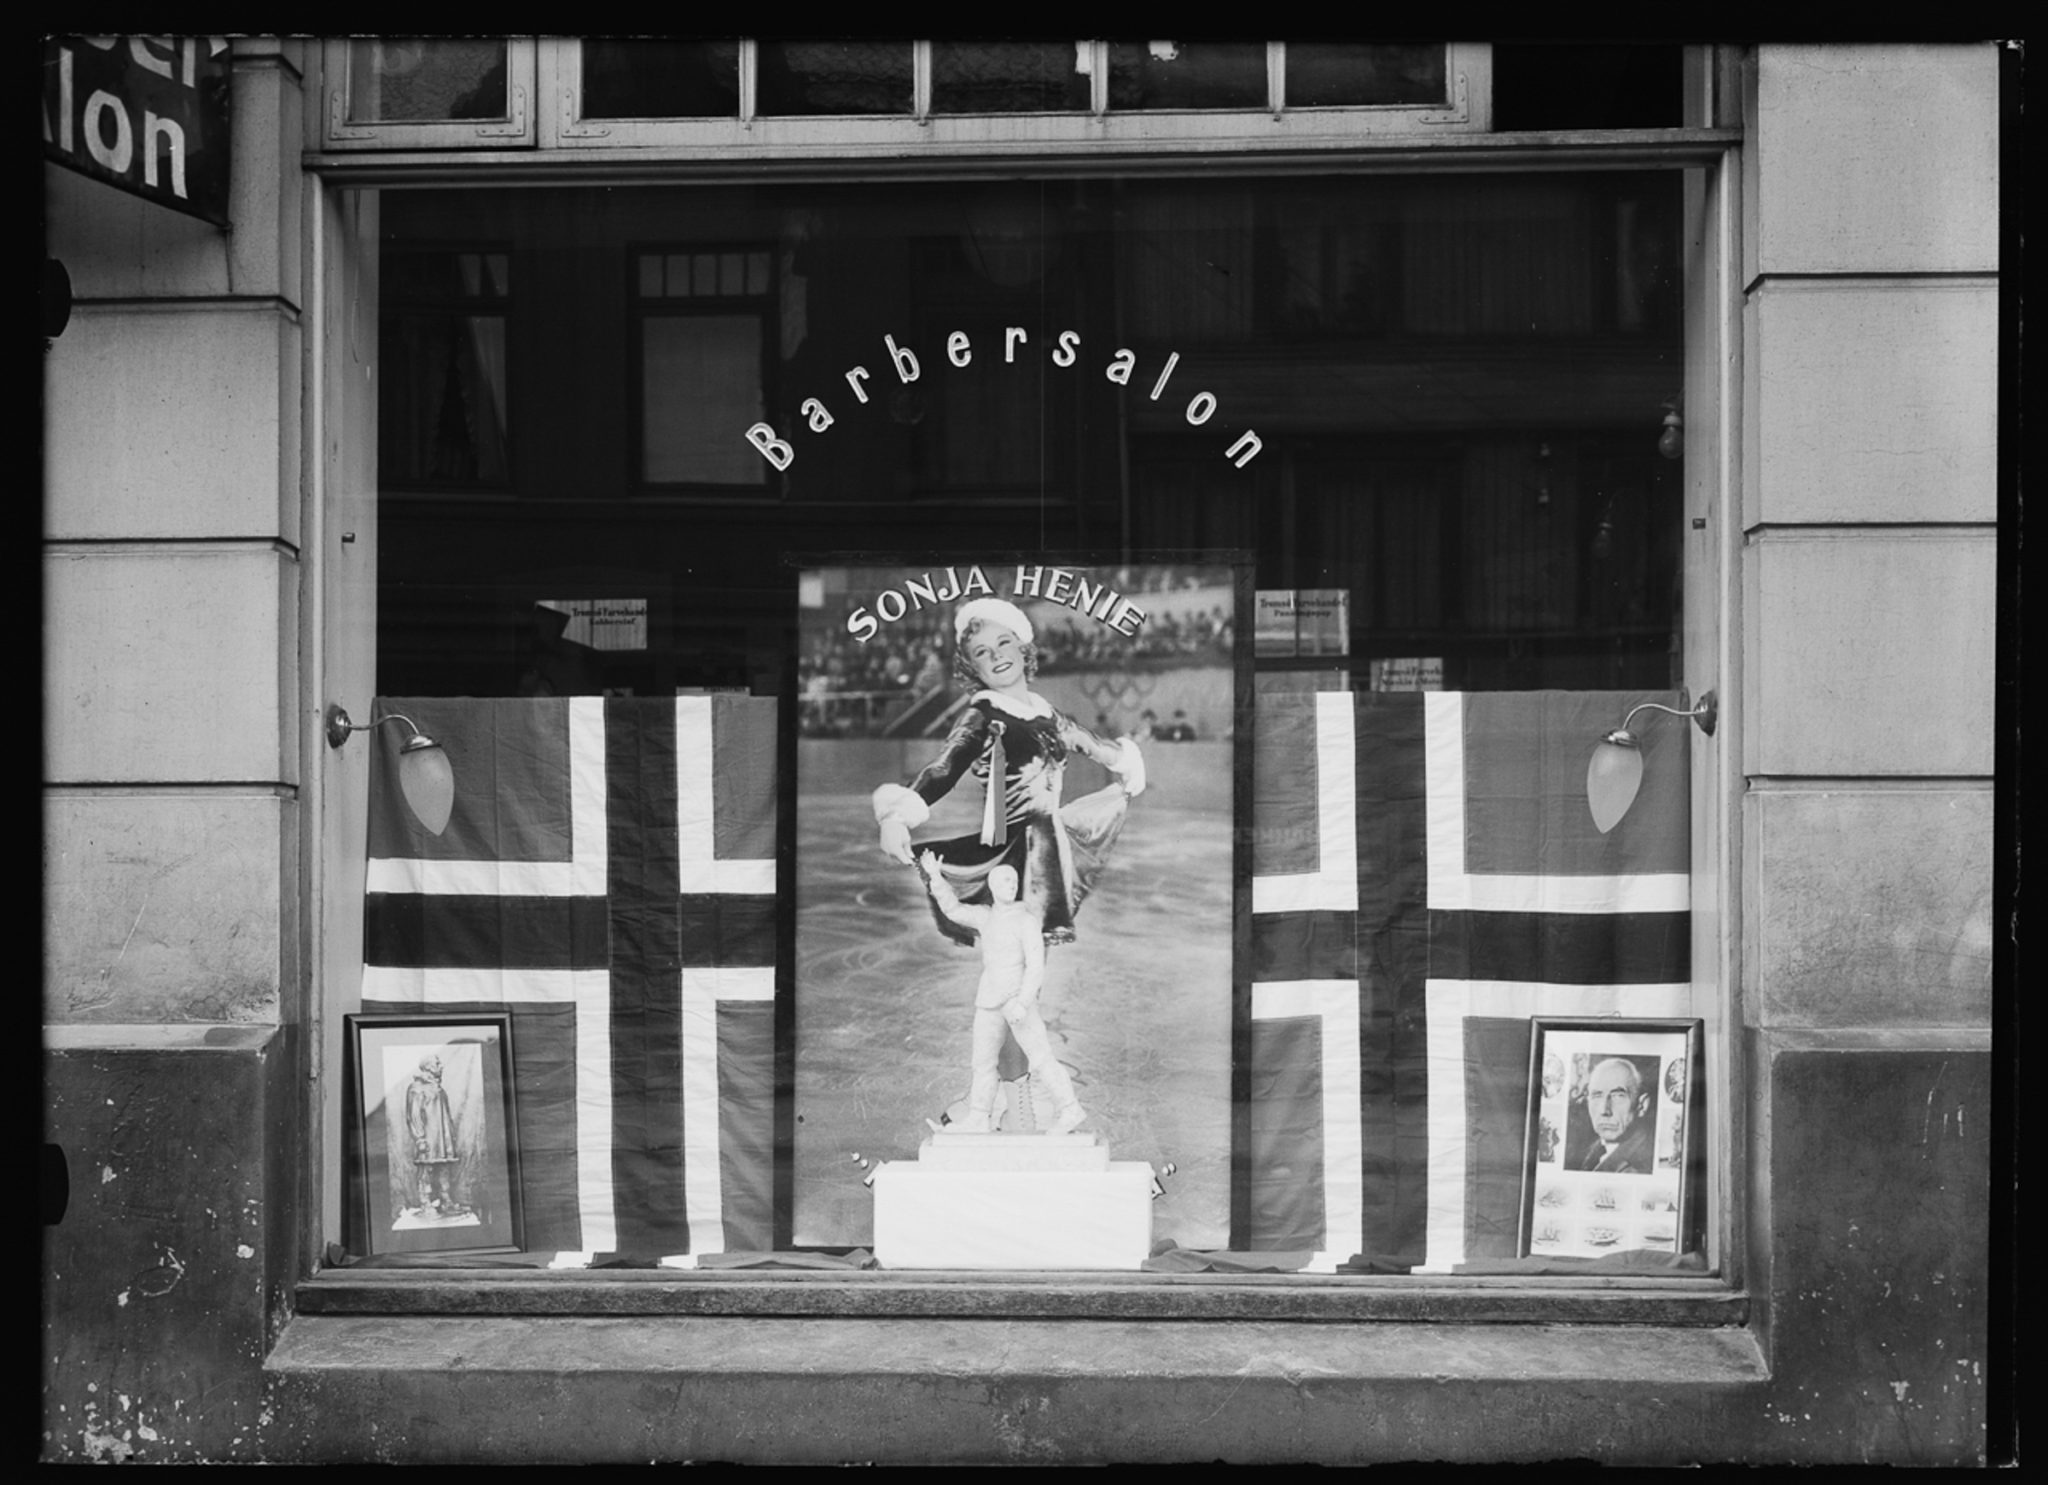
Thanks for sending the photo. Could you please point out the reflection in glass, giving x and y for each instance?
(1333, 74)
(410, 80)
(833, 77)
(629, 79)
(442, 398)
(1008, 77)
(700, 384)
(1459, 383)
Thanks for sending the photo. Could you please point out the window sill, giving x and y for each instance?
(879, 1389)
(906, 146)
(1687, 1302)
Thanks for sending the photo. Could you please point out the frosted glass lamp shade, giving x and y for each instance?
(428, 781)
(1612, 779)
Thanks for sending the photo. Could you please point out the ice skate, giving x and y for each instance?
(957, 1113)
(1068, 1119)
(974, 1121)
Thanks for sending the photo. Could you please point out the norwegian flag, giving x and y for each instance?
(607, 877)
(1426, 878)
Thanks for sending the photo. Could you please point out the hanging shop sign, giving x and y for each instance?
(146, 114)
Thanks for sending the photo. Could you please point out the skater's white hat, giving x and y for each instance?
(994, 611)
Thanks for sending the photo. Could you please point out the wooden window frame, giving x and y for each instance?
(517, 130)
(544, 82)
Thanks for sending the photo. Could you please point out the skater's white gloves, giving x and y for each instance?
(1130, 768)
(899, 811)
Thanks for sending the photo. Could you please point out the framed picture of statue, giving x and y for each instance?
(1017, 906)
(433, 1158)
(1613, 1160)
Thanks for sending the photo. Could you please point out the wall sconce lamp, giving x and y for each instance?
(1671, 442)
(425, 775)
(1616, 769)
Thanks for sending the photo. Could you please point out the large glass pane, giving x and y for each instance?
(660, 79)
(833, 77)
(411, 80)
(782, 437)
(1009, 77)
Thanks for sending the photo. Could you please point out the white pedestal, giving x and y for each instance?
(947, 1150)
(1013, 1202)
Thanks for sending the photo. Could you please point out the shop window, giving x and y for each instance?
(1455, 525)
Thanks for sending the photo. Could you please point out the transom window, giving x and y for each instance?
(763, 96)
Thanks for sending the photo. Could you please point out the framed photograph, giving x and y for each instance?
(1612, 1157)
(433, 1163)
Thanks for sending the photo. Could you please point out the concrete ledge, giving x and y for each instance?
(879, 1294)
(110, 1036)
(509, 1389)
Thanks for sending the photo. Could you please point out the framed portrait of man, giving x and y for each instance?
(1612, 1160)
(434, 1162)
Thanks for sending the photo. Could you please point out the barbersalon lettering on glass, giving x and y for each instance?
(1066, 351)
(1098, 600)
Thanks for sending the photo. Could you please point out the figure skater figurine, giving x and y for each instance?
(1006, 1001)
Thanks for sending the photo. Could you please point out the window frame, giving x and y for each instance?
(544, 80)
(1718, 1298)
(516, 129)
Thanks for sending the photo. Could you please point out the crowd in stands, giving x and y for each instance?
(1164, 577)
(1202, 637)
